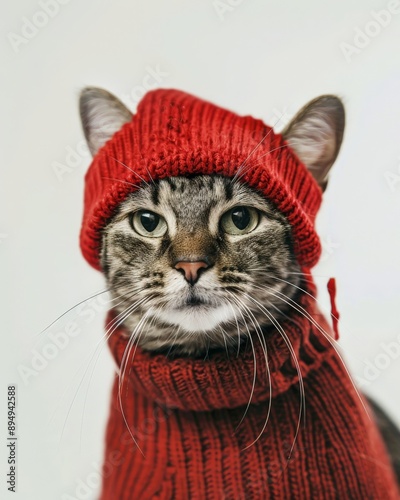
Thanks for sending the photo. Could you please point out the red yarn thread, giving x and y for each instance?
(334, 312)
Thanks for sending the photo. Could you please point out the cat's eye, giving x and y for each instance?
(147, 223)
(240, 220)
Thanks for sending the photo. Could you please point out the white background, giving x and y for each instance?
(258, 57)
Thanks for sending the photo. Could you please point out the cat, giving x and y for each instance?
(126, 256)
(202, 265)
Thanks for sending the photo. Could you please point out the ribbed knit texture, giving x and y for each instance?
(198, 436)
(174, 133)
(185, 417)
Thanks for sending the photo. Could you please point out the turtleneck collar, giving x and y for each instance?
(226, 381)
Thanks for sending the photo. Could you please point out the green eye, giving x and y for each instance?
(240, 220)
(148, 224)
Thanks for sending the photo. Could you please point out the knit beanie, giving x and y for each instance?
(176, 134)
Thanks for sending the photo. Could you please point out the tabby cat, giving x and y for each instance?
(198, 264)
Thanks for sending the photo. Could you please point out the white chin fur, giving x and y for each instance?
(198, 319)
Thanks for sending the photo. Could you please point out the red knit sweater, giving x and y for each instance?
(195, 439)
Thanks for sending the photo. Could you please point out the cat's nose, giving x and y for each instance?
(191, 269)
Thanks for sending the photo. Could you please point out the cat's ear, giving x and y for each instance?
(102, 114)
(315, 134)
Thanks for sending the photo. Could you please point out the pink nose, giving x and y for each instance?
(191, 270)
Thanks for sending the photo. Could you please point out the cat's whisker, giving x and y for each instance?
(262, 269)
(100, 343)
(153, 320)
(88, 360)
(127, 297)
(122, 370)
(175, 334)
(105, 337)
(289, 345)
(328, 337)
(111, 327)
(207, 351)
(224, 339)
(263, 344)
(235, 177)
(133, 342)
(238, 329)
(289, 301)
(302, 290)
(148, 171)
(254, 359)
(271, 291)
(122, 181)
(257, 146)
(124, 362)
(260, 157)
(134, 338)
(279, 311)
(97, 294)
(249, 167)
(71, 309)
(130, 169)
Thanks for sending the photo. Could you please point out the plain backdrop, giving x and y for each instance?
(265, 58)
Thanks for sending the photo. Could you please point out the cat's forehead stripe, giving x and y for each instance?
(190, 202)
(154, 193)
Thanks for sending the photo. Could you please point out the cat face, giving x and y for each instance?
(198, 254)
(201, 262)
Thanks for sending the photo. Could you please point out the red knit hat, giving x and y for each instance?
(174, 133)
